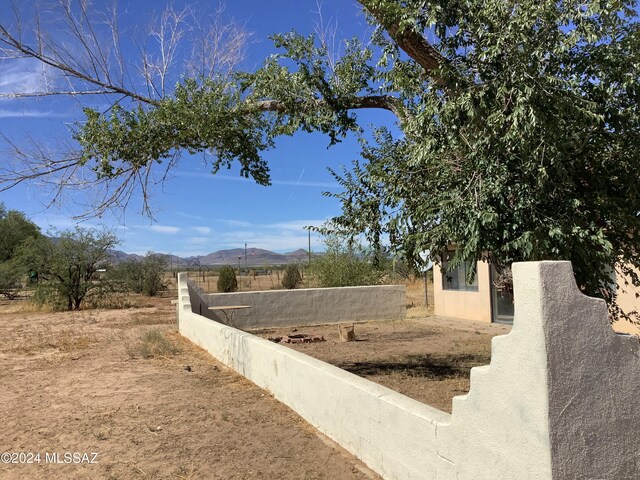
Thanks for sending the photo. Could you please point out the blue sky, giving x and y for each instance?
(196, 212)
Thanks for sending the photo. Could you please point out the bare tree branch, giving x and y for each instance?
(8, 39)
(68, 93)
(87, 53)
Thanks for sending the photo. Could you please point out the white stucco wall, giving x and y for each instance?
(305, 306)
(560, 399)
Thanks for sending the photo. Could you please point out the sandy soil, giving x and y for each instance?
(69, 384)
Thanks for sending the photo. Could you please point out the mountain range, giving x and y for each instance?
(233, 257)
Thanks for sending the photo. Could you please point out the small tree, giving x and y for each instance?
(67, 264)
(141, 276)
(154, 267)
(15, 228)
(292, 278)
(10, 274)
(227, 281)
(343, 265)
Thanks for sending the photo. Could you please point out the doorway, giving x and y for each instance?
(502, 306)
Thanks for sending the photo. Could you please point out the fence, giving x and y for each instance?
(306, 306)
(559, 400)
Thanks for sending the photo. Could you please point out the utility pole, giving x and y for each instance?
(245, 258)
(309, 251)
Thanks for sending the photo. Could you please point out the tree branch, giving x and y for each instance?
(69, 93)
(412, 42)
(14, 43)
(385, 102)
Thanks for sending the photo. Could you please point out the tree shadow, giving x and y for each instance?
(433, 366)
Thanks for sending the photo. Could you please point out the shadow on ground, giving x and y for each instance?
(431, 366)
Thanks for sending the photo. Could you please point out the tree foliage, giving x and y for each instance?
(67, 265)
(344, 263)
(292, 277)
(145, 276)
(519, 128)
(227, 281)
(10, 277)
(14, 229)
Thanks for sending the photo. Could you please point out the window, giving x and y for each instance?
(456, 279)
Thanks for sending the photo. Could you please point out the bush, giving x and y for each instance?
(144, 276)
(227, 281)
(343, 266)
(10, 276)
(67, 265)
(292, 277)
(152, 344)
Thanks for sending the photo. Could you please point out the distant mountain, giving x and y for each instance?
(118, 256)
(255, 257)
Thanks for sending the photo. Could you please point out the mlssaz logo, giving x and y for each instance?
(71, 457)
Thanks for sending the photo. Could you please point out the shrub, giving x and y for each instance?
(292, 277)
(227, 281)
(152, 344)
(144, 276)
(67, 265)
(343, 266)
(10, 276)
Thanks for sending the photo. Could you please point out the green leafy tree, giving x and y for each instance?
(10, 276)
(292, 277)
(144, 276)
(344, 263)
(14, 229)
(227, 281)
(67, 264)
(519, 126)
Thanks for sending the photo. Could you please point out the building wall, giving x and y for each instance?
(305, 306)
(469, 305)
(559, 400)
(629, 302)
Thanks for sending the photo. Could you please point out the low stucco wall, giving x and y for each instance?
(560, 399)
(469, 305)
(306, 306)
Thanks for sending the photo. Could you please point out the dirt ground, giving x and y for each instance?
(424, 357)
(68, 383)
(80, 383)
(428, 359)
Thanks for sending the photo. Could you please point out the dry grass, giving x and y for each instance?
(152, 344)
(65, 341)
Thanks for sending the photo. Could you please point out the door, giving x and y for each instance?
(502, 306)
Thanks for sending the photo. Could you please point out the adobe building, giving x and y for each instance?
(454, 297)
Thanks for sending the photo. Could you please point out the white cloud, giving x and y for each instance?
(27, 113)
(198, 240)
(296, 225)
(202, 230)
(274, 181)
(23, 75)
(237, 223)
(189, 215)
(164, 229)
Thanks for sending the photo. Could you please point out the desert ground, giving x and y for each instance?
(124, 384)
